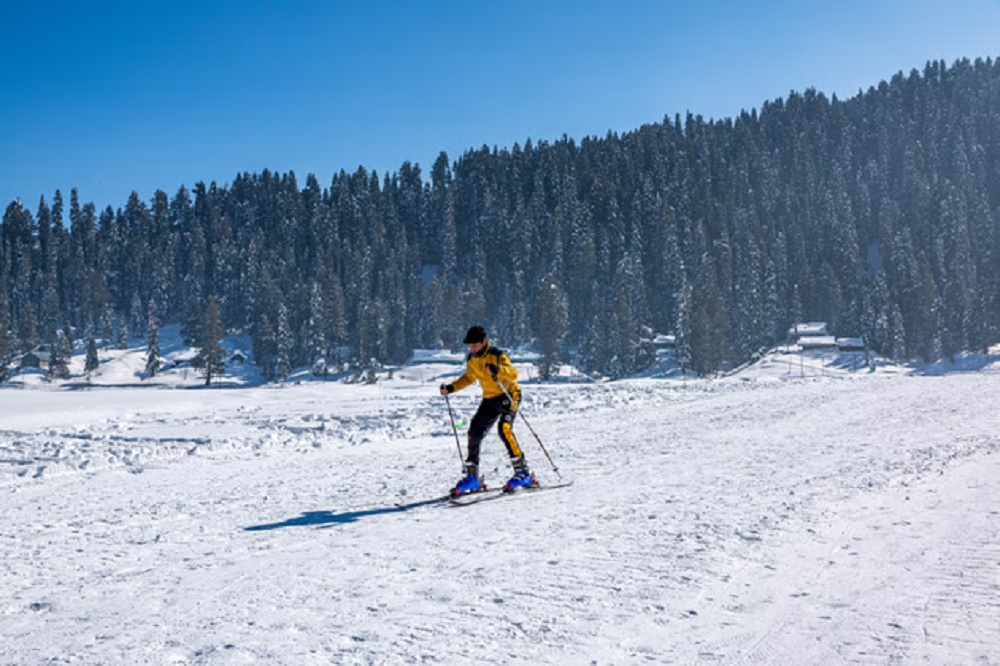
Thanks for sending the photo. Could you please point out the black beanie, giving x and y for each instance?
(475, 334)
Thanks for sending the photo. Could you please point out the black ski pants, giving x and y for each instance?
(490, 411)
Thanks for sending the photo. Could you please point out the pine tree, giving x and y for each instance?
(122, 339)
(553, 315)
(136, 320)
(65, 340)
(92, 361)
(710, 328)
(283, 363)
(58, 359)
(107, 330)
(315, 331)
(264, 347)
(152, 341)
(5, 334)
(682, 327)
(210, 358)
(335, 320)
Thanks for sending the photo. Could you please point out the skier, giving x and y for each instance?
(492, 368)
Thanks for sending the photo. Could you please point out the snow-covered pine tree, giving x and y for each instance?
(5, 336)
(210, 359)
(121, 341)
(92, 362)
(283, 358)
(66, 342)
(107, 326)
(314, 332)
(264, 348)
(136, 321)
(682, 327)
(553, 319)
(710, 327)
(152, 340)
(58, 360)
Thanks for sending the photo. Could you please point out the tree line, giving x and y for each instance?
(877, 214)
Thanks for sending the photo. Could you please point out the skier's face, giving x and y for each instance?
(476, 347)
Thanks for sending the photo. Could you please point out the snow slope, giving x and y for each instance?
(773, 517)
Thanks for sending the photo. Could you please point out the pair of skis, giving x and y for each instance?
(487, 494)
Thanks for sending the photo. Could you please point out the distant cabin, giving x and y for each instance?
(238, 357)
(817, 342)
(815, 335)
(808, 329)
(36, 358)
(850, 344)
(812, 335)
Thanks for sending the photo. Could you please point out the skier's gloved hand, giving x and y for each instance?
(446, 389)
(493, 369)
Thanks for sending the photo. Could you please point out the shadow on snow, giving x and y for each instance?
(327, 518)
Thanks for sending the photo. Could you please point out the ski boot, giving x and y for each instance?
(470, 483)
(522, 479)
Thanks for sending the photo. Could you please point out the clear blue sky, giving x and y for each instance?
(112, 97)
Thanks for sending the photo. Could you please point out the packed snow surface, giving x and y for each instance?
(772, 517)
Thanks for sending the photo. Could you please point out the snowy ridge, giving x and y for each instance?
(771, 517)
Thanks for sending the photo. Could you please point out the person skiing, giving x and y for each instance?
(491, 366)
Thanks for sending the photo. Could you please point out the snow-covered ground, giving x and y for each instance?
(792, 513)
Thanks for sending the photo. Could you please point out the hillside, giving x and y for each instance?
(877, 214)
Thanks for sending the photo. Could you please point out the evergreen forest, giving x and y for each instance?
(877, 214)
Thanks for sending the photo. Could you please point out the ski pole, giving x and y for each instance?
(454, 429)
(537, 438)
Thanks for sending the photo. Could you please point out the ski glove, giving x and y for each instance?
(493, 370)
(448, 387)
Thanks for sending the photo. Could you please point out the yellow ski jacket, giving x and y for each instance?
(475, 369)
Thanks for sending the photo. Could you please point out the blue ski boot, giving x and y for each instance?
(522, 479)
(470, 483)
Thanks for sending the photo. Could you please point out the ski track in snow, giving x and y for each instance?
(831, 520)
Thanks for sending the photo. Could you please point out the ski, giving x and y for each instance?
(473, 497)
(497, 493)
